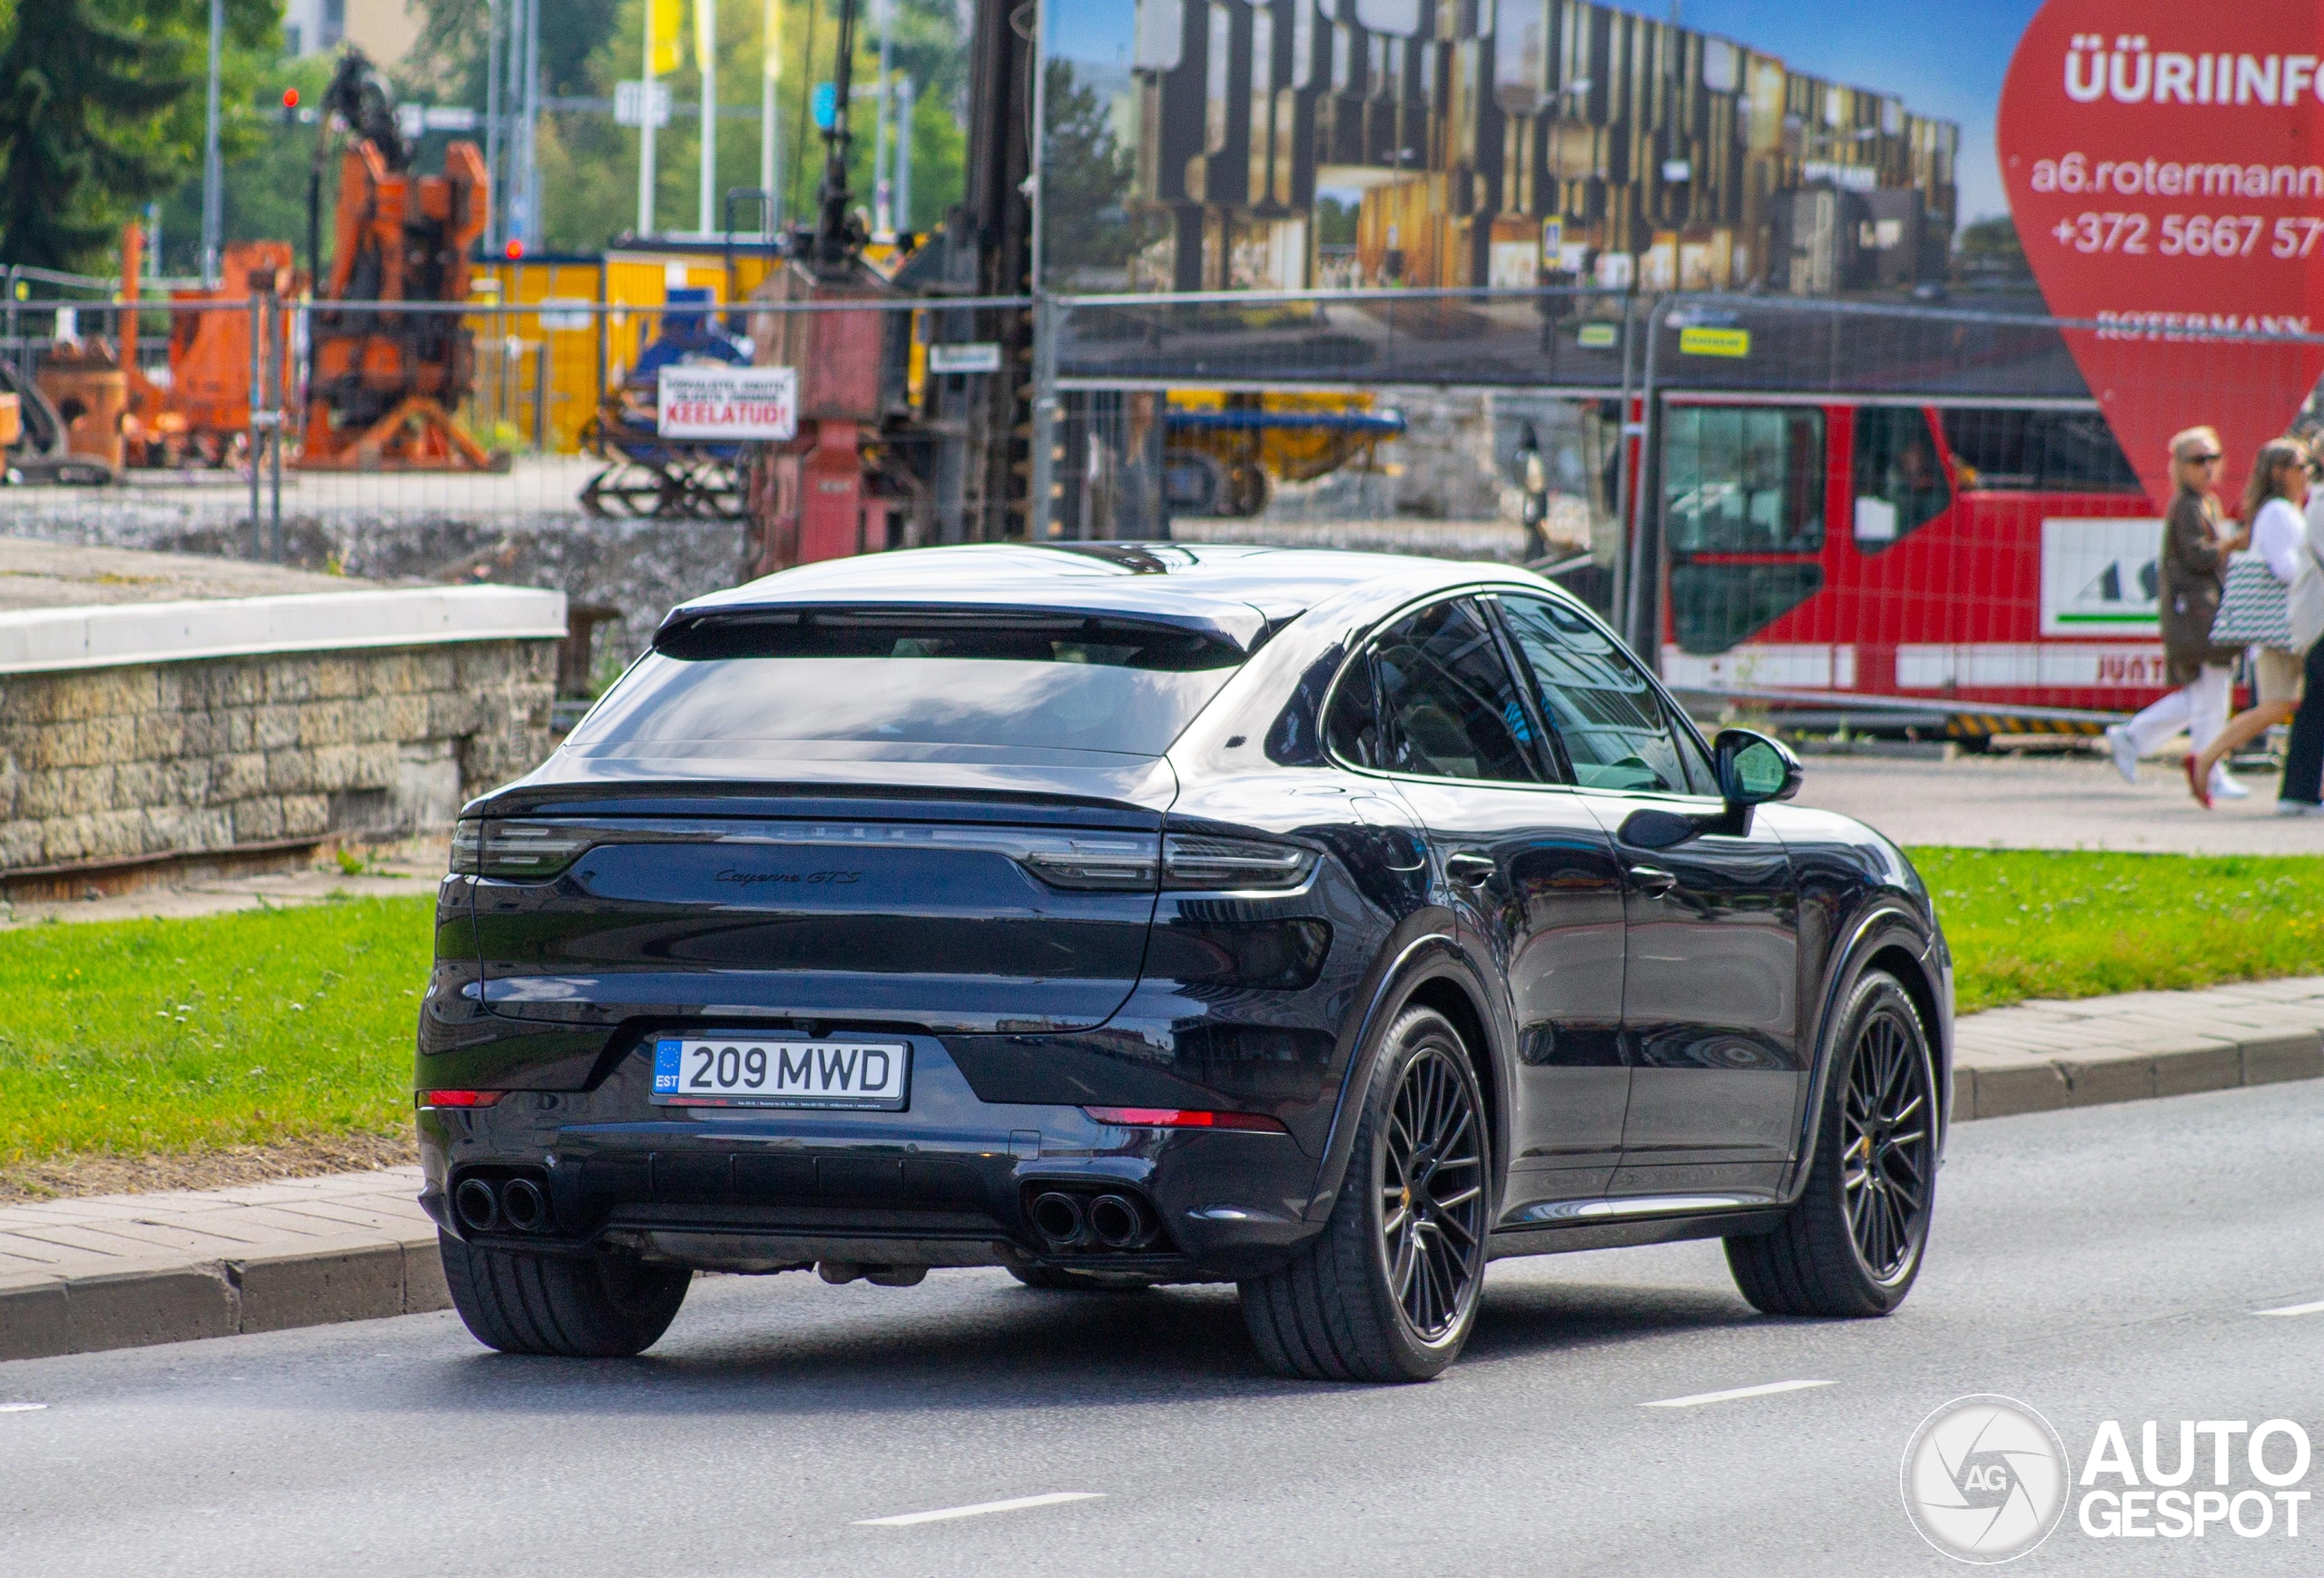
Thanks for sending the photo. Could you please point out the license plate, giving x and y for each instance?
(758, 1071)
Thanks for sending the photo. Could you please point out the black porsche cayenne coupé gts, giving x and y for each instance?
(1326, 923)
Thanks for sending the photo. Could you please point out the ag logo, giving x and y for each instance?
(1985, 1479)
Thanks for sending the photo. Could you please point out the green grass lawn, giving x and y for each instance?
(255, 1028)
(2039, 923)
(245, 1029)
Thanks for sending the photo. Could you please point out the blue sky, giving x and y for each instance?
(1942, 57)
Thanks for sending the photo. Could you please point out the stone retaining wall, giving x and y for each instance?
(145, 761)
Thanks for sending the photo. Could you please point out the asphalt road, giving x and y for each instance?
(2098, 1264)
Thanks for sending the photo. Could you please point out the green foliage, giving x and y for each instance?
(1335, 221)
(102, 106)
(267, 175)
(2041, 924)
(153, 1035)
(589, 165)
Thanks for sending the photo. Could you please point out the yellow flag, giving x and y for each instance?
(665, 22)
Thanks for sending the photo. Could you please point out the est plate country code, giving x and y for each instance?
(746, 1071)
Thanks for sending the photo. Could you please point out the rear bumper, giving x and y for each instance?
(945, 1182)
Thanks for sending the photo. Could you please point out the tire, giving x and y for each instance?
(605, 1307)
(1852, 1245)
(1052, 1279)
(1388, 1292)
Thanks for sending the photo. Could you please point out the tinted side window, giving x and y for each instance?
(1607, 715)
(1743, 481)
(1448, 706)
(1353, 732)
(1900, 484)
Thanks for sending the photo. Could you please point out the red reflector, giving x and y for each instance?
(459, 1097)
(1184, 1118)
(515, 249)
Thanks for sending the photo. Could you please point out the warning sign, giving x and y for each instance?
(728, 402)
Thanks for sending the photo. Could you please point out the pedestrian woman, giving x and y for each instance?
(2303, 783)
(2193, 572)
(2272, 508)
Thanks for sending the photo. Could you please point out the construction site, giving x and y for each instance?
(1528, 280)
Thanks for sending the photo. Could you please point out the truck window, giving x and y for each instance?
(1743, 481)
(1743, 507)
(1900, 484)
(1998, 451)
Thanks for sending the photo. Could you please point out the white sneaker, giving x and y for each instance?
(2225, 787)
(2299, 808)
(2125, 754)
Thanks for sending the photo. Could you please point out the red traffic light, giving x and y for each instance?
(290, 98)
(515, 248)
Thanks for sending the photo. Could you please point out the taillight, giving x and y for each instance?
(1120, 863)
(459, 1097)
(516, 851)
(1127, 862)
(1200, 862)
(468, 846)
(1184, 1118)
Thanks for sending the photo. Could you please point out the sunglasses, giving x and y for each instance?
(2211, 460)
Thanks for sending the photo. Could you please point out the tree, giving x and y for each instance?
(1086, 179)
(74, 86)
(1987, 252)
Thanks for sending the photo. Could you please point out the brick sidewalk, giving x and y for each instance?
(124, 1270)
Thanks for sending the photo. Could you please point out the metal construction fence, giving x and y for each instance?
(1903, 498)
(200, 417)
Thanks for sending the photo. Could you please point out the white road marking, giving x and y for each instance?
(2315, 1308)
(979, 1509)
(1698, 1399)
(22, 1407)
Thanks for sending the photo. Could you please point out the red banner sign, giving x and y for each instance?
(2166, 172)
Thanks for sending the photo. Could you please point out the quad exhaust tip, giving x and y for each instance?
(518, 1205)
(523, 1205)
(1117, 1222)
(1059, 1219)
(477, 1206)
(1108, 1221)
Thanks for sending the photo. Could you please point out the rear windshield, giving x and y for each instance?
(1080, 684)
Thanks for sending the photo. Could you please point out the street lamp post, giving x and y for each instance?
(645, 124)
(770, 74)
(705, 60)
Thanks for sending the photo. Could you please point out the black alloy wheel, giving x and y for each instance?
(1851, 1246)
(1432, 1194)
(1389, 1290)
(1887, 1137)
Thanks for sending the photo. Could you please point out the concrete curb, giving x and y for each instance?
(1990, 1087)
(361, 1279)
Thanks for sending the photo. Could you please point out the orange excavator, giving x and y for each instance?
(384, 383)
(201, 415)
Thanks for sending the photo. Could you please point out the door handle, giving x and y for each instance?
(1652, 880)
(1469, 869)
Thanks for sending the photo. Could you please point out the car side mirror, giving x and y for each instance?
(1754, 769)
